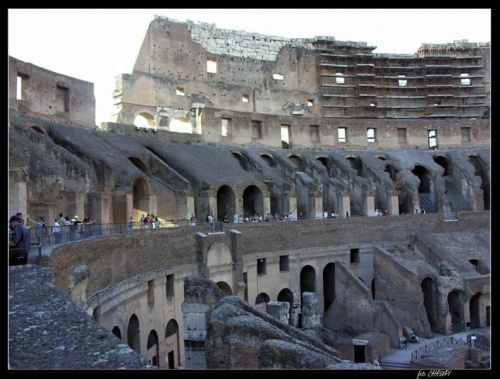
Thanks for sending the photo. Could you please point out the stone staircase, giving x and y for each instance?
(388, 365)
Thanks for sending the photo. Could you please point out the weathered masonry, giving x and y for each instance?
(236, 87)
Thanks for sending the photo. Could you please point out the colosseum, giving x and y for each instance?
(292, 145)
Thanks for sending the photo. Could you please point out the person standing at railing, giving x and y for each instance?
(56, 231)
(19, 244)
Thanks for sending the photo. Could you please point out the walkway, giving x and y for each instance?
(400, 359)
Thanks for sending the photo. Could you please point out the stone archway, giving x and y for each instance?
(134, 334)
(172, 343)
(152, 349)
(253, 201)
(429, 290)
(328, 285)
(225, 203)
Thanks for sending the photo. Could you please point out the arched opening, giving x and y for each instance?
(480, 266)
(453, 182)
(152, 354)
(456, 306)
(485, 180)
(443, 162)
(391, 170)
(144, 120)
(423, 176)
(172, 343)
(426, 196)
(180, 125)
(225, 288)
(268, 158)
(474, 311)
(287, 295)
(298, 162)
(428, 289)
(134, 334)
(329, 190)
(262, 300)
(243, 161)
(328, 285)
(356, 163)
(307, 280)
(140, 199)
(225, 203)
(117, 332)
(253, 201)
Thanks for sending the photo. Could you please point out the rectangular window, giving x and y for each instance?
(465, 134)
(339, 78)
(225, 126)
(314, 133)
(211, 66)
(19, 88)
(355, 256)
(261, 266)
(151, 292)
(256, 129)
(285, 136)
(371, 135)
(464, 79)
(342, 134)
(245, 98)
(179, 91)
(401, 81)
(170, 286)
(62, 99)
(432, 139)
(277, 77)
(284, 263)
(402, 135)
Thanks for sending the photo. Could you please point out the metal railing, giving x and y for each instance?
(40, 237)
(440, 344)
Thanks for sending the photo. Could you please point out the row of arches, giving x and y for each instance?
(170, 341)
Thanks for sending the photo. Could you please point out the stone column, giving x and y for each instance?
(346, 204)
(310, 310)
(393, 203)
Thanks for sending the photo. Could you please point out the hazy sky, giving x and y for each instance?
(96, 45)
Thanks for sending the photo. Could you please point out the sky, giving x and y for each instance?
(96, 45)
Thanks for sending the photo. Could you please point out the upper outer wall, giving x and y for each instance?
(50, 95)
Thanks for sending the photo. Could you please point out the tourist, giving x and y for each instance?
(403, 344)
(376, 362)
(56, 231)
(19, 244)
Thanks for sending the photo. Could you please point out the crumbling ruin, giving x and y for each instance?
(272, 126)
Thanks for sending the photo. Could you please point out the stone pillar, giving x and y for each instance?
(194, 317)
(346, 204)
(292, 204)
(190, 207)
(280, 310)
(267, 206)
(318, 202)
(294, 314)
(310, 310)
(98, 207)
(393, 203)
(369, 204)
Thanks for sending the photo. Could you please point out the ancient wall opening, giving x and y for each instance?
(134, 334)
(328, 285)
(430, 301)
(253, 201)
(152, 349)
(225, 203)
